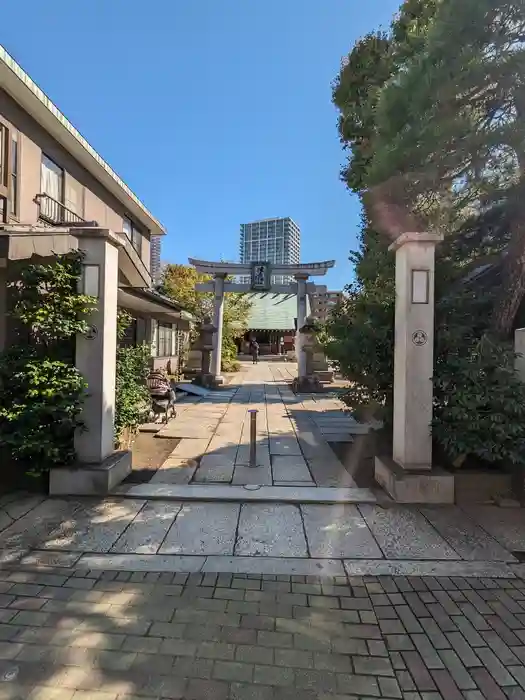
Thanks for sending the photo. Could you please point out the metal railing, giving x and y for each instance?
(54, 212)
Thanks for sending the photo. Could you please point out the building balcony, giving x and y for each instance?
(55, 213)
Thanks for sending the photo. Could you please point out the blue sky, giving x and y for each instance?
(215, 112)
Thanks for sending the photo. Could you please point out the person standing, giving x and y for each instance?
(255, 352)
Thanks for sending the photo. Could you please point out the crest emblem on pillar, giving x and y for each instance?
(261, 276)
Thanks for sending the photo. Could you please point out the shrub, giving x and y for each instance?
(40, 408)
(132, 399)
(41, 391)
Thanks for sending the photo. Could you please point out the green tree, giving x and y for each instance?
(360, 335)
(474, 378)
(451, 126)
(41, 391)
(179, 283)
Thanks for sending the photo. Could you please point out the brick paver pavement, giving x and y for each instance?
(107, 635)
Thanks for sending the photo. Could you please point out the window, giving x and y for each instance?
(133, 233)
(4, 136)
(52, 179)
(14, 175)
(4, 172)
(164, 340)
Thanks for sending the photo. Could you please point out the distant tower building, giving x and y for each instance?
(273, 240)
(155, 259)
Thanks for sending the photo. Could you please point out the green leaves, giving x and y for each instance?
(179, 284)
(431, 113)
(46, 300)
(41, 391)
(132, 398)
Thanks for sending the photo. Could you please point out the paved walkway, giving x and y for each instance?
(292, 435)
(322, 525)
(106, 635)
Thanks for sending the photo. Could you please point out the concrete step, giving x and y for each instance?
(244, 494)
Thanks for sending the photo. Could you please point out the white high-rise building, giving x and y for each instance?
(155, 252)
(270, 240)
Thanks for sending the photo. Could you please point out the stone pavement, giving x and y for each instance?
(263, 538)
(106, 635)
(292, 435)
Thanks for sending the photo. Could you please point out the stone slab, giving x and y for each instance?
(148, 530)
(262, 453)
(268, 494)
(175, 471)
(151, 427)
(34, 529)
(191, 432)
(330, 472)
(203, 528)
(338, 532)
(270, 531)
(141, 562)
(506, 525)
(260, 475)
(476, 569)
(211, 471)
(38, 558)
(284, 445)
(193, 389)
(20, 507)
(403, 533)
(274, 566)
(190, 448)
(292, 468)
(95, 527)
(470, 541)
(90, 479)
(432, 486)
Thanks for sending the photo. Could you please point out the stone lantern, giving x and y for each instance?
(308, 381)
(204, 345)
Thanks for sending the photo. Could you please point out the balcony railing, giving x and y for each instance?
(55, 213)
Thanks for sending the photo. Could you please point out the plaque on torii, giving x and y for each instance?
(261, 278)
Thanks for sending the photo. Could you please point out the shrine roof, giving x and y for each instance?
(273, 312)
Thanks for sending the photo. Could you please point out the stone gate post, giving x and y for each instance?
(301, 318)
(218, 313)
(409, 476)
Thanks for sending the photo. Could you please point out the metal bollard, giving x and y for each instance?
(253, 437)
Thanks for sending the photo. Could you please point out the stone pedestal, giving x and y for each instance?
(409, 474)
(193, 363)
(320, 365)
(436, 486)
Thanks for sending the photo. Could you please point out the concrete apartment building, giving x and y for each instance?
(323, 302)
(155, 253)
(57, 194)
(274, 240)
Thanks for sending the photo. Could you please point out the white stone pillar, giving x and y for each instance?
(301, 318)
(218, 313)
(96, 351)
(414, 349)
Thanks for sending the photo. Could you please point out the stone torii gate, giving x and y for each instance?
(260, 275)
